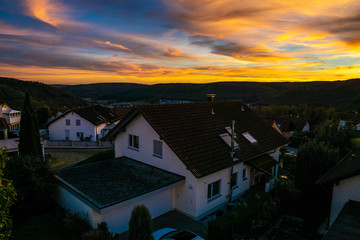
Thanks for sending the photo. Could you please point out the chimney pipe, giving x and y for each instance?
(210, 97)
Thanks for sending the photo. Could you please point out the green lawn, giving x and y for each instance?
(62, 159)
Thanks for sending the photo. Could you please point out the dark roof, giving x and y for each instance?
(347, 224)
(289, 123)
(109, 182)
(96, 114)
(264, 163)
(122, 111)
(349, 166)
(192, 131)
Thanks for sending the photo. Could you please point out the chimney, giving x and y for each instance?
(210, 97)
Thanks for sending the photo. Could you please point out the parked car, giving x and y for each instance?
(175, 234)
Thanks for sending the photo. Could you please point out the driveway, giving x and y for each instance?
(175, 219)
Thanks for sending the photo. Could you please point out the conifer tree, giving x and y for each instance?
(29, 143)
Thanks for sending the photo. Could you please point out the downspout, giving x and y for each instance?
(232, 157)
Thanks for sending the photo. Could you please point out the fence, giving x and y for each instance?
(77, 144)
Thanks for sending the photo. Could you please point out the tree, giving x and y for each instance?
(140, 224)
(313, 160)
(7, 199)
(29, 142)
(34, 182)
(43, 114)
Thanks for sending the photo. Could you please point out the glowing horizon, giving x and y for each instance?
(179, 41)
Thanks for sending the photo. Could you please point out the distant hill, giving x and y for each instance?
(343, 94)
(13, 91)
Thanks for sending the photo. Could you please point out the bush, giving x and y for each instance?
(246, 219)
(140, 224)
(76, 225)
(100, 233)
(34, 183)
(286, 191)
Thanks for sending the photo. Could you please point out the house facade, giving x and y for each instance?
(12, 117)
(79, 124)
(344, 179)
(190, 141)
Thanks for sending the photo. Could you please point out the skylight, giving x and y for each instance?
(226, 137)
(249, 137)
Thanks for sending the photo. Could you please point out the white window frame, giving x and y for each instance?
(213, 193)
(159, 155)
(78, 122)
(67, 121)
(132, 142)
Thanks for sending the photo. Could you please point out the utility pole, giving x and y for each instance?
(232, 157)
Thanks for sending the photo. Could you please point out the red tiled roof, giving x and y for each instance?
(192, 131)
(122, 111)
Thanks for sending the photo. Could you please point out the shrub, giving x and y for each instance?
(76, 225)
(140, 224)
(100, 233)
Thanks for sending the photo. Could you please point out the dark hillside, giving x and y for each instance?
(14, 91)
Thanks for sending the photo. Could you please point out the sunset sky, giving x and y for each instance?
(166, 41)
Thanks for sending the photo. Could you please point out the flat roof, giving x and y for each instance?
(112, 181)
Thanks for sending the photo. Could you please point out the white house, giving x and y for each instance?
(11, 116)
(345, 181)
(86, 123)
(189, 146)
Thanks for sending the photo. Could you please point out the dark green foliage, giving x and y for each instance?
(34, 182)
(314, 159)
(140, 224)
(100, 156)
(29, 142)
(14, 91)
(43, 113)
(100, 233)
(330, 133)
(7, 199)
(298, 138)
(76, 225)
(286, 191)
(250, 218)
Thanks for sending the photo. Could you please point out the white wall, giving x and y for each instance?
(185, 200)
(190, 198)
(116, 217)
(57, 128)
(118, 220)
(71, 203)
(348, 189)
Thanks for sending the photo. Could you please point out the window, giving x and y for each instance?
(157, 148)
(77, 122)
(133, 141)
(67, 122)
(244, 174)
(234, 180)
(80, 134)
(214, 190)
(249, 137)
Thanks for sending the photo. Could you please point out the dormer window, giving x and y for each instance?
(227, 139)
(249, 137)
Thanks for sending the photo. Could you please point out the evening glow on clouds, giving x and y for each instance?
(164, 41)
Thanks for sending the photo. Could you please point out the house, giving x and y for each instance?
(175, 156)
(86, 123)
(345, 206)
(11, 116)
(288, 125)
